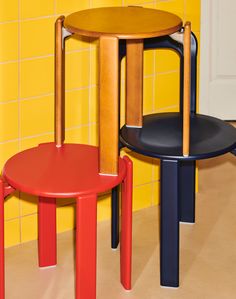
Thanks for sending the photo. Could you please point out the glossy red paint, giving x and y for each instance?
(86, 244)
(69, 171)
(62, 172)
(47, 239)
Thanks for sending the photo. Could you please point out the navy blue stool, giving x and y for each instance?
(161, 136)
(187, 168)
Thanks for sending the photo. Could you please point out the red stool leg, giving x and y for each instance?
(2, 272)
(86, 244)
(126, 227)
(47, 240)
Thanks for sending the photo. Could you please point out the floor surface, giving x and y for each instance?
(207, 253)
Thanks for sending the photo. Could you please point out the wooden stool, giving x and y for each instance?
(110, 24)
(134, 24)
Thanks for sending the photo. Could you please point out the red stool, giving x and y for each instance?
(57, 170)
(63, 172)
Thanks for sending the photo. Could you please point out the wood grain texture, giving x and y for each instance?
(108, 106)
(134, 83)
(59, 83)
(187, 88)
(123, 22)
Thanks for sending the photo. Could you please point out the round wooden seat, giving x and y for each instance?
(161, 137)
(123, 22)
(67, 171)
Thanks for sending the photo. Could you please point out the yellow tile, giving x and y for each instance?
(142, 197)
(142, 167)
(149, 5)
(34, 141)
(77, 108)
(12, 206)
(104, 207)
(9, 81)
(156, 169)
(166, 60)
(122, 121)
(123, 69)
(65, 218)
(173, 6)
(64, 6)
(94, 66)
(77, 69)
(192, 13)
(148, 95)
(9, 121)
(174, 108)
(101, 3)
(9, 10)
(28, 204)
(9, 48)
(122, 103)
(37, 77)
(41, 35)
(76, 42)
(12, 232)
(166, 90)
(156, 193)
(135, 2)
(93, 105)
(65, 201)
(78, 135)
(29, 228)
(143, 3)
(36, 116)
(93, 134)
(149, 62)
(7, 150)
(198, 36)
(39, 8)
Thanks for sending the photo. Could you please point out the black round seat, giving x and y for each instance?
(161, 136)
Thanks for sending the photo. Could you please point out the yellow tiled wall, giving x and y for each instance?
(26, 97)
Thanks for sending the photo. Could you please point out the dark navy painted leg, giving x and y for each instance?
(115, 213)
(169, 244)
(187, 191)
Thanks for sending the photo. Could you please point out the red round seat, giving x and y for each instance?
(67, 171)
(70, 170)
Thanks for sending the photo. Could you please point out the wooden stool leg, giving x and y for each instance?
(115, 214)
(2, 271)
(126, 227)
(134, 83)
(169, 243)
(108, 107)
(47, 240)
(86, 244)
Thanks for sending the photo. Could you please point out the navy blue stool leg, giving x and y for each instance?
(169, 243)
(187, 191)
(115, 213)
